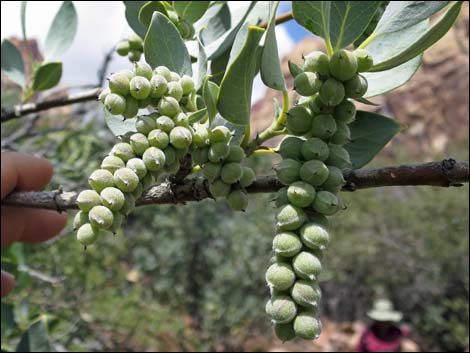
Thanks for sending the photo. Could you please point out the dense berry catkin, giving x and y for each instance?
(313, 157)
(154, 150)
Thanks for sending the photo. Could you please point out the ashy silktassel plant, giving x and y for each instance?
(182, 118)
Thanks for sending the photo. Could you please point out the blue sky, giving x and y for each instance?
(101, 25)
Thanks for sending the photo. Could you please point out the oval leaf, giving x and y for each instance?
(370, 132)
(215, 22)
(118, 125)
(234, 101)
(62, 31)
(210, 92)
(147, 10)
(197, 116)
(314, 16)
(47, 76)
(349, 19)
(12, 63)
(163, 45)
(271, 71)
(385, 81)
(191, 11)
(132, 16)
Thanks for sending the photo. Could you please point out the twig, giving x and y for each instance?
(445, 173)
(279, 19)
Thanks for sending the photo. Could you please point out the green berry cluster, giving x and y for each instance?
(311, 169)
(132, 47)
(161, 140)
(221, 165)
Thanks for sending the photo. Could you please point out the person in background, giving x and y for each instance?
(385, 334)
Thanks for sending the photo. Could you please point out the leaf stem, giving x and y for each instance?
(246, 138)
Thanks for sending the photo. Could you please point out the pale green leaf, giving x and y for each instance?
(210, 93)
(47, 76)
(118, 125)
(132, 16)
(62, 31)
(191, 11)
(314, 16)
(12, 63)
(147, 10)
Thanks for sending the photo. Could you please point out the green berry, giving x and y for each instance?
(139, 143)
(235, 155)
(187, 83)
(100, 179)
(134, 55)
(126, 179)
(356, 87)
(332, 92)
(87, 235)
(103, 94)
(288, 171)
(145, 124)
(307, 326)
(326, 203)
(317, 61)
(132, 108)
(87, 199)
(163, 71)
(335, 181)
(286, 244)
(140, 87)
(299, 120)
(290, 217)
(306, 293)
(314, 236)
(112, 198)
(101, 216)
(280, 276)
(318, 107)
(281, 308)
(237, 200)
(123, 150)
(345, 112)
(154, 159)
(80, 219)
(175, 90)
(343, 65)
(314, 172)
(247, 178)
(307, 84)
(306, 266)
(200, 156)
(181, 137)
(219, 189)
(323, 126)
(338, 157)
(201, 136)
(218, 152)
(220, 134)
(143, 69)
(212, 171)
(119, 83)
(231, 173)
(135, 42)
(342, 134)
(281, 197)
(165, 123)
(158, 138)
(181, 119)
(285, 332)
(128, 73)
(301, 194)
(364, 60)
(168, 106)
(174, 77)
(290, 147)
(315, 148)
(122, 48)
(159, 86)
(115, 103)
(138, 166)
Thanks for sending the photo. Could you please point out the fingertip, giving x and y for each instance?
(8, 282)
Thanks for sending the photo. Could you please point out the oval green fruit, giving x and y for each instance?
(315, 148)
(247, 178)
(143, 69)
(158, 138)
(135, 42)
(335, 181)
(219, 189)
(343, 65)
(175, 90)
(235, 155)
(165, 123)
(154, 159)
(115, 103)
(159, 86)
(299, 120)
(145, 124)
(301, 194)
(138, 166)
(290, 147)
(200, 156)
(101, 216)
(317, 61)
(286, 244)
(307, 326)
(306, 293)
(187, 83)
(220, 134)
(284, 332)
(119, 83)
(314, 172)
(345, 112)
(132, 108)
(122, 48)
(290, 217)
(280, 276)
(212, 171)
(326, 203)
(168, 106)
(281, 197)
(201, 136)
(134, 55)
(364, 60)
(237, 200)
(87, 199)
(140, 87)
(218, 152)
(163, 71)
(288, 171)
(306, 266)
(181, 137)
(112, 198)
(123, 151)
(87, 235)
(80, 219)
(282, 309)
(338, 157)
(100, 179)
(323, 126)
(332, 92)
(356, 87)
(342, 134)
(231, 173)
(126, 179)
(307, 84)
(139, 143)
(314, 236)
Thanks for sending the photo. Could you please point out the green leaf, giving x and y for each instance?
(118, 125)
(12, 63)
(219, 66)
(62, 31)
(370, 132)
(132, 16)
(215, 22)
(163, 45)
(349, 19)
(23, 20)
(294, 69)
(47, 76)
(271, 71)
(427, 39)
(201, 65)
(36, 338)
(403, 14)
(210, 92)
(8, 318)
(147, 10)
(385, 81)
(191, 11)
(234, 102)
(197, 116)
(314, 16)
